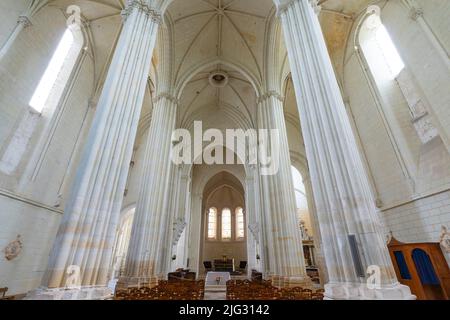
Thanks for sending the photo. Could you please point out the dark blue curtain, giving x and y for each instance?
(424, 267)
(402, 266)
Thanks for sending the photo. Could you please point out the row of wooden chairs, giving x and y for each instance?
(263, 290)
(166, 290)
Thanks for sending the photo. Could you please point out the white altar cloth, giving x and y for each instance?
(217, 281)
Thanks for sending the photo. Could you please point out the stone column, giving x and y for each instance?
(196, 231)
(179, 217)
(344, 202)
(87, 232)
(284, 258)
(252, 221)
(146, 262)
(318, 251)
(22, 23)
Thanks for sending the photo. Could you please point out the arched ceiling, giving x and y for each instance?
(219, 35)
(104, 20)
(230, 36)
(223, 179)
(93, 10)
(231, 30)
(200, 100)
(336, 18)
(211, 35)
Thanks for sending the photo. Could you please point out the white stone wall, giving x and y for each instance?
(422, 50)
(37, 227)
(410, 179)
(436, 13)
(31, 207)
(420, 220)
(12, 8)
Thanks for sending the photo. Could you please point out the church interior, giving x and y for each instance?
(94, 207)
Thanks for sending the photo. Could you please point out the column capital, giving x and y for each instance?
(283, 5)
(143, 7)
(315, 5)
(270, 94)
(167, 96)
(415, 13)
(25, 21)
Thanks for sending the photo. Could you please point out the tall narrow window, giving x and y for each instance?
(212, 223)
(389, 50)
(378, 41)
(240, 223)
(50, 76)
(45, 99)
(226, 224)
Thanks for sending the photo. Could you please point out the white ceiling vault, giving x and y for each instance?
(233, 36)
(225, 36)
(216, 35)
(232, 30)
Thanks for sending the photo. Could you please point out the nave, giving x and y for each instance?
(296, 144)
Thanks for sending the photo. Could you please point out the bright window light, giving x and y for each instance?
(240, 223)
(48, 80)
(226, 224)
(393, 59)
(212, 223)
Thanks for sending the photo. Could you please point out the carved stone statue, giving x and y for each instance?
(13, 249)
(445, 239)
(178, 228)
(254, 229)
(304, 230)
(389, 237)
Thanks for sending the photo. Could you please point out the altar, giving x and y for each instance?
(217, 281)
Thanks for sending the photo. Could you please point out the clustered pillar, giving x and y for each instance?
(345, 206)
(145, 262)
(88, 228)
(284, 247)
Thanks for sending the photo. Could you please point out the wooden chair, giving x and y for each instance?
(166, 290)
(317, 296)
(3, 292)
(208, 266)
(307, 294)
(243, 266)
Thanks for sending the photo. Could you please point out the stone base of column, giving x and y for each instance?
(83, 293)
(359, 291)
(291, 282)
(126, 283)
